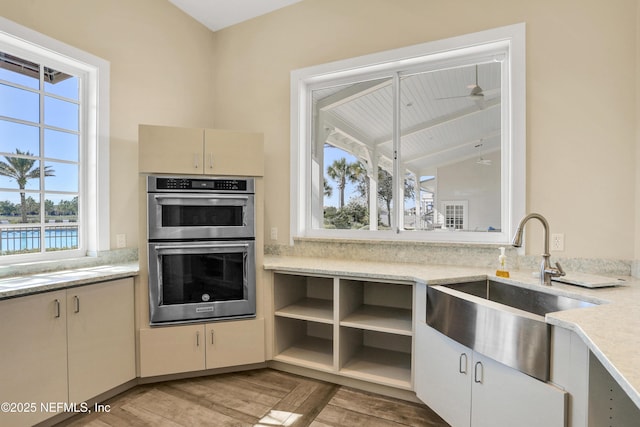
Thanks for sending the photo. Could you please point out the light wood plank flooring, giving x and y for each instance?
(263, 397)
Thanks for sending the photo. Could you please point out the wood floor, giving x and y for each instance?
(263, 397)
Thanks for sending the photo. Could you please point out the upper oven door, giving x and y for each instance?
(179, 216)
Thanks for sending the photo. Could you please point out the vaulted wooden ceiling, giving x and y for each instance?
(446, 116)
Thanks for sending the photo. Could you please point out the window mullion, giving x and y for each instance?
(397, 204)
(41, 162)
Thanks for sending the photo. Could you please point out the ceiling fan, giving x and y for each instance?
(476, 93)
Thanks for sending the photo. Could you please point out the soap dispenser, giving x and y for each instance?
(502, 265)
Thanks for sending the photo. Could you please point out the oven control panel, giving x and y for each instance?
(179, 184)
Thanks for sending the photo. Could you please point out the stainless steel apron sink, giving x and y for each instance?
(501, 321)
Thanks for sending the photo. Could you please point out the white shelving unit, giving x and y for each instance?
(356, 328)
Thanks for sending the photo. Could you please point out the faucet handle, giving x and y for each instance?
(560, 270)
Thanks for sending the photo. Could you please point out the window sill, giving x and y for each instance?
(118, 256)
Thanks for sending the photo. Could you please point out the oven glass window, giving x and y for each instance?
(196, 278)
(201, 216)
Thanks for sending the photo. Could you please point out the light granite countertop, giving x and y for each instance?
(18, 286)
(611, 329)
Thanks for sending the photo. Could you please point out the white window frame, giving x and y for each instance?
(511, 39)
(94, 147)
(463, 204)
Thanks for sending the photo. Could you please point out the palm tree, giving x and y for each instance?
(328, 189)
(340, 171)
(22, 170)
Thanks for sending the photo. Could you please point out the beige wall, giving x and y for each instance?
(581, 97)
(582, 91)
(637, 193)
(161, 73)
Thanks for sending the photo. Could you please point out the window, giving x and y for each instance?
(455, 215)
(381, 142)
(53, 148)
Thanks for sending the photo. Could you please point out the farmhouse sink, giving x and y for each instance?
(501, 321)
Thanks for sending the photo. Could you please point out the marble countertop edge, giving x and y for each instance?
(609, 365)
(19, 286)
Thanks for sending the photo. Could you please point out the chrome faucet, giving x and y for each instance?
(546, 271)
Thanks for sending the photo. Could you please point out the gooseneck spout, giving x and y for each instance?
(546, 271)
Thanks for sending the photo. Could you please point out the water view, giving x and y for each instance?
(28, 239)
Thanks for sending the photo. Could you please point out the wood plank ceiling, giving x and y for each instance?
(441, 123)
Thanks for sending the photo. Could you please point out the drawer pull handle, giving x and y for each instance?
(462, 366)
(478, 378)
(76, 302)
(57, 304)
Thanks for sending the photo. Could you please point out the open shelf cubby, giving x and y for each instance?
(304, 343)
(353, 327)
(382, 307)
(376, 356)
(304, 297)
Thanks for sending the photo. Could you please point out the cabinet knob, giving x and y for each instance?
(195, 160)
(210, 160)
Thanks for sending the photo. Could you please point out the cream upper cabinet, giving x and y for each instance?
(101, 338)
(233, 153)
(166, 149)
(33, 355)
(193, 151)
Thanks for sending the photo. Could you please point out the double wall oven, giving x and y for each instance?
(201, 248)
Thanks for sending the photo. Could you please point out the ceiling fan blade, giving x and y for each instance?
(475, 94)
(452, 97)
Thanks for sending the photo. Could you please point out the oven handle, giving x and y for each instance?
(203, 246)
(183, 196)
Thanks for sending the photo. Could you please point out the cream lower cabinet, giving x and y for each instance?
(33, 356)
(468, 389)
(177, 349)
(360, 329)
(101, 338)
(64, 347)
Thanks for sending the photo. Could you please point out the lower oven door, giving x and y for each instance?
(194, 281)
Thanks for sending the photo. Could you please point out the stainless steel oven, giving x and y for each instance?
(200, 208)
(201, 249)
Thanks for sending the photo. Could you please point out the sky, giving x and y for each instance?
(23, 105)
(332, 154)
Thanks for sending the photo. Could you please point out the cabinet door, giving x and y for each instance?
(503, 396)
(166, 149)
(33, 355)
(234, 343)
(171, 350)
(443, 371)
(101, 338)
(233, 153)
